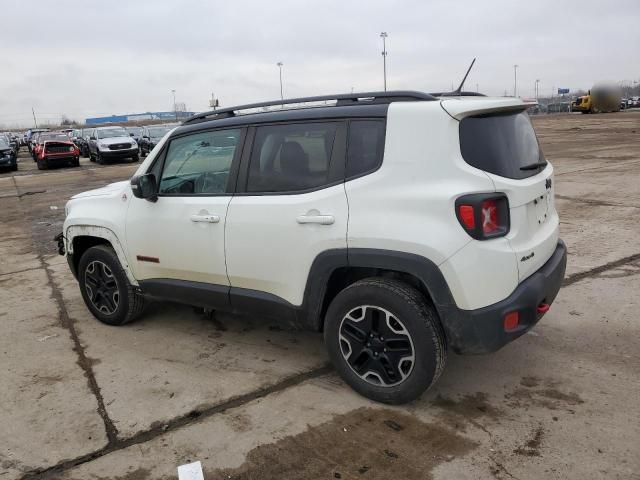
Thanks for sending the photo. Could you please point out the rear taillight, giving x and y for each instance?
(484, 215)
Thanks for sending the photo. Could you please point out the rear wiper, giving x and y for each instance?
(533, 166)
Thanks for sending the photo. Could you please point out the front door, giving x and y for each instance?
(181, 236)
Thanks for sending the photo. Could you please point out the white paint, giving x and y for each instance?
(191, 471)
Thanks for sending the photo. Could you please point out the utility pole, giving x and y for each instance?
(477, 88)
(281, 90)
(384, 36)
(35, 122)
(537, 90)
(175, 110)
(515, 80)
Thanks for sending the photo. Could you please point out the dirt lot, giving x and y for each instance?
(80, 400)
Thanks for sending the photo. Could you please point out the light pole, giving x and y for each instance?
(537, 89)
(384, 36)
(281, 91)
(175, 110)
(515, 80)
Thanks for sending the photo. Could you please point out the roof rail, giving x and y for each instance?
(366, 98)
(458, 94)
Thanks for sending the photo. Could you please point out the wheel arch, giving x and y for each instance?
(79, 238)
(334, 270)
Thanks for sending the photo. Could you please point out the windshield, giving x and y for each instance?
(111, 132)
(158, 132)
(54, 136)
(3, 143)
(135, 130)
(502, 144)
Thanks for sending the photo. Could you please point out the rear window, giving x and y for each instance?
(501, 144)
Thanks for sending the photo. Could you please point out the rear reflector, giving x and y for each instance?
(511, 321)
(543, 308)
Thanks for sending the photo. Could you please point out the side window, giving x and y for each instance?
(199, 163)
(365, 146)
(291, 157)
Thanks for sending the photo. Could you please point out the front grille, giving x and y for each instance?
(60, 148)
(119, 146)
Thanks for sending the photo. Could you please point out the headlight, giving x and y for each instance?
(102, 145)
(71, 149)
(134, 144)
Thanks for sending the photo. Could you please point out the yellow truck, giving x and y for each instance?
(600, 99)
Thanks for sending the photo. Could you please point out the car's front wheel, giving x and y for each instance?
(105, 288)
(385, 340)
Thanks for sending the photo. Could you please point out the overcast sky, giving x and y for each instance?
(91, 58)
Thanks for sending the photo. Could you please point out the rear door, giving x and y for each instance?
(504, 145)
(290, 206)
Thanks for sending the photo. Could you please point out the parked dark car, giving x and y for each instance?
(151, 135)
(32, 135)
(8, 159)
(135, 133)
(80, 138)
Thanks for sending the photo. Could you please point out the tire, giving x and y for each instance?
(142, 153)
(42, 165)
(117, 302)
(76, 162)
(14, 168)
(99, 159)
(135, 159)
(391, 308)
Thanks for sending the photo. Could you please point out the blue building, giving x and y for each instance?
(139, 117)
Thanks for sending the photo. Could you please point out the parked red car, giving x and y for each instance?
(52, 148)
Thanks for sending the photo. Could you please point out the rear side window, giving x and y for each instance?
(501, 144)
(291, 157)
(365, 148)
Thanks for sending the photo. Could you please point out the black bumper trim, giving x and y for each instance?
(482, 330)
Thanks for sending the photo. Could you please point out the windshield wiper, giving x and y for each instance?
(533, 166)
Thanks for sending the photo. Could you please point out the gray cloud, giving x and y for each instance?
(86, 58)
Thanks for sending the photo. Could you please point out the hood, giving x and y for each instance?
(114, 140)
(111, 189)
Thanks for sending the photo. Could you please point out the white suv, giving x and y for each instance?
(400, 224)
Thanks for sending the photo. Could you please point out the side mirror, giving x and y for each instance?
(131, 135)
(92, 138)
(144, 186)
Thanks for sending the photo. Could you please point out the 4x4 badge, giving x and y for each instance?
(527, 257)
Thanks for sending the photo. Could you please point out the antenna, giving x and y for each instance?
(459, 89)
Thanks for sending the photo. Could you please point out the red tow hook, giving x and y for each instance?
(543, 308)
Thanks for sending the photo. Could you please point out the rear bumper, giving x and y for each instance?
(52, 158)
(482, 330)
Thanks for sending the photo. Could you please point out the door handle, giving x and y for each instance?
(319, 219)
(205, 218)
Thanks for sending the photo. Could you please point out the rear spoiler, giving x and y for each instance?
(460, 108)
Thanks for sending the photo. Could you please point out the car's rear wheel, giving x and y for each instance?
(105, 288)
(385, 340)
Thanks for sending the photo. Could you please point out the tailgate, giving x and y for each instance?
(497, 137)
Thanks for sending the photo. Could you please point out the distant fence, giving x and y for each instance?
(138, 117)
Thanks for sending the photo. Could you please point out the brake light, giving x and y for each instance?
(467, 216)
(489, 216)
(484, 215)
